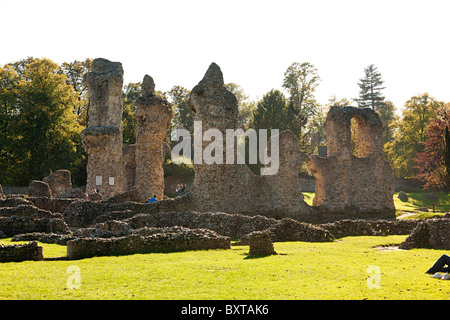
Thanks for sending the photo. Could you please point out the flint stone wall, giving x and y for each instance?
(52, 205)
(18, 216)
(102, 139)
(430, 233)
(59, 182)
(348, 185)
(260, 244)
(153, 116)
(234, 188)
(39, 189)
(180, 240)
(21, 252)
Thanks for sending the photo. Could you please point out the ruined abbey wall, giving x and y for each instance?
(102, 139)
(233, 188)
(349, 185)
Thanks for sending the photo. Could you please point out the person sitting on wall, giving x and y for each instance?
(152, 199)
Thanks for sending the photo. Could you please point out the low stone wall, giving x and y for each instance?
(51, 204)
(359, 227)
(18, 216)
(20, 252)
(181, 239)
(430, 233)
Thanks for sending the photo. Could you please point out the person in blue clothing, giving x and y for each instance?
(152, 199)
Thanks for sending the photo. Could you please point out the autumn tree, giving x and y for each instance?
(409, 132)
(432, 163)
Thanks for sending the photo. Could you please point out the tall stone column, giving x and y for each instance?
(153, 116)
(102, 139)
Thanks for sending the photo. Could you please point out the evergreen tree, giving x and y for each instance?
(371, 86)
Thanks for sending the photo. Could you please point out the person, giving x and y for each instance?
(440, 265)
(152, 199)
(178, 189)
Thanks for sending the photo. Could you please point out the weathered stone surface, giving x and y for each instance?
(102, 139)
(429, 233)
(349, 186)
(95, 197)
(59, 182)
(44, 237)
(234, 188)
(20, 252)
(402, 196)
(260, 244)
(24, 217)
(181, 239)
(360, 227)
(76, 193)
(2, 196)
(153, 116)
(129, 166)
(52, 205)
(39, 189)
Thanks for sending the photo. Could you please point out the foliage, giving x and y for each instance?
(38, 123)
(431, 164)
(409, 131)
(301, 81)
(371, 86)
(131, 92)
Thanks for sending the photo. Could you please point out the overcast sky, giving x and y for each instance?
(253, 42)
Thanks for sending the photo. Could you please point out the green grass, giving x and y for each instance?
(301, 270)
(415, 201)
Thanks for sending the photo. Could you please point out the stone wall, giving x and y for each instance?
(348, 185)
(20, 252)
(430, 233)
(20, 216)
(153, 116)
(102, 139)
(233, 188)
(52, 205)
(181, 239)
(59, 182)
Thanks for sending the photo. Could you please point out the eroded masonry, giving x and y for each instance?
(346, 185)
(353, 185)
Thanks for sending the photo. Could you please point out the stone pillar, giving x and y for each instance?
(102, 139)
(153, 116)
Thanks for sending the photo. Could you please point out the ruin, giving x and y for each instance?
(349, 186)
(59, 182)
(102, 139)
(430, 233)
(153, 116)
(234, 188)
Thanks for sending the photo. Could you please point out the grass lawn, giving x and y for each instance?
(415, 201)
(301, 270)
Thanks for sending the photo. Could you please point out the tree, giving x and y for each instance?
(432, 163)
(409, 132)
(75, 72)
(271, 112)
(131, 92)
(301, 81)
(245, 107)
(371, 86)
(42, 131)
(183, 115)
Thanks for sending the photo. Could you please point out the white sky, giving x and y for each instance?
(253, 42)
